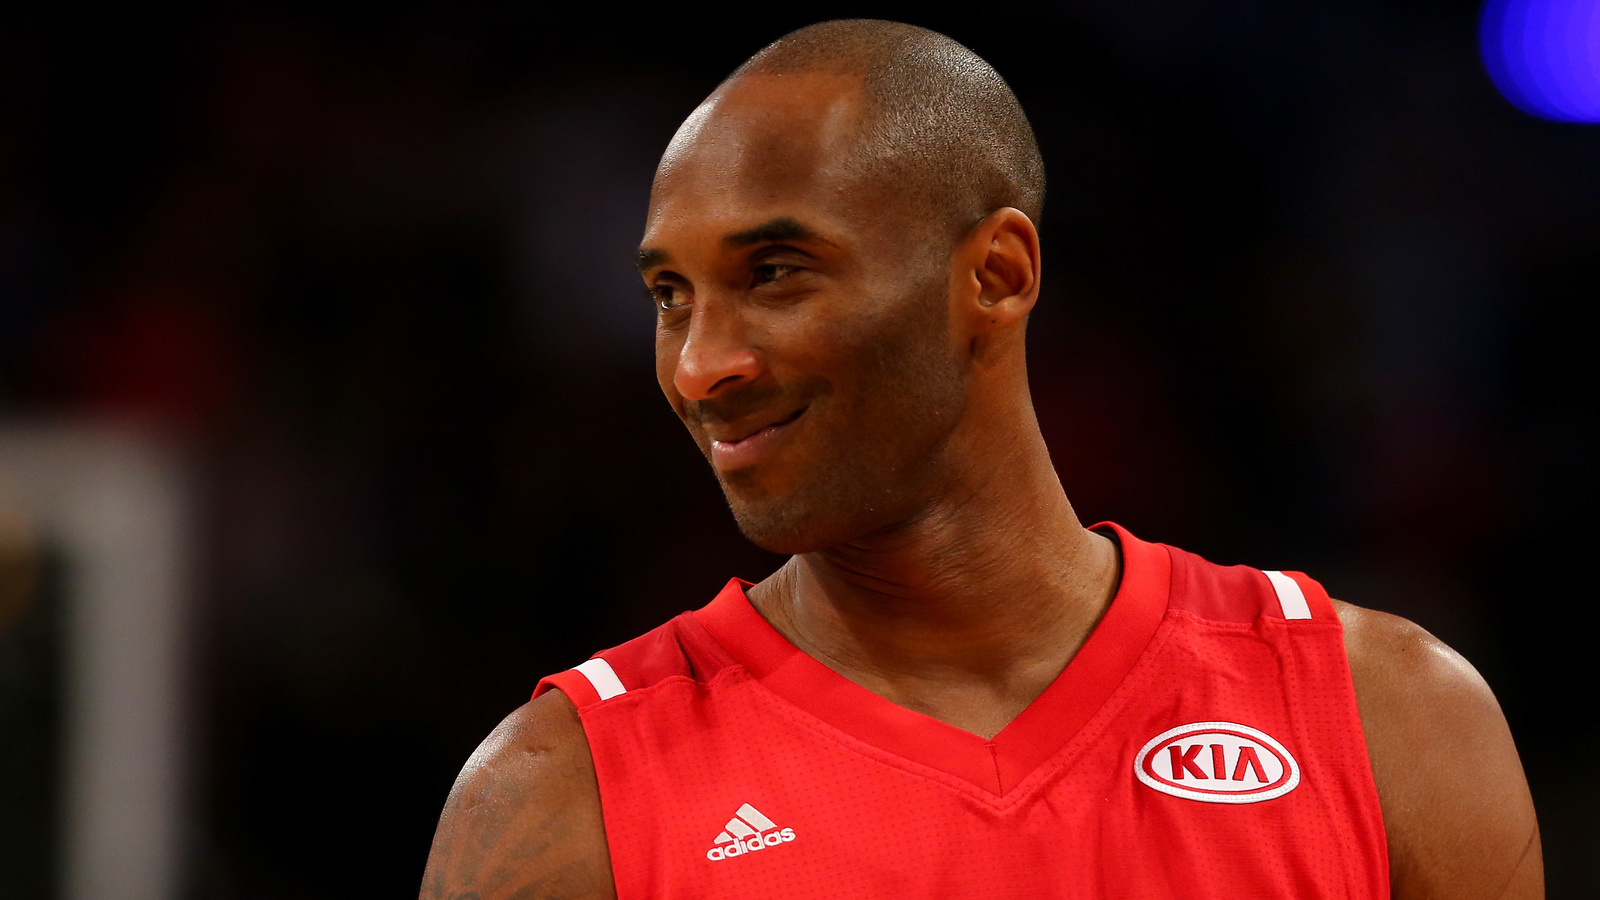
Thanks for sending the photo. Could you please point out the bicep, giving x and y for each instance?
(523, 820)
(1456, 806)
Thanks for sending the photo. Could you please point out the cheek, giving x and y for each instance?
(911, 380)
(668, 346)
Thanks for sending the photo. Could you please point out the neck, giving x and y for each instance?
(965, 612)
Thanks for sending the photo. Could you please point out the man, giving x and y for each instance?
(952, 688)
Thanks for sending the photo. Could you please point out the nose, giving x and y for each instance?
(715, 356)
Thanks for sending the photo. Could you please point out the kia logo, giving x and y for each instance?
(1217, 762)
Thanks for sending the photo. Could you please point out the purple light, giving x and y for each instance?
(1544, 56)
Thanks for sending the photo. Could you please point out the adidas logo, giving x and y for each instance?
(748, 831)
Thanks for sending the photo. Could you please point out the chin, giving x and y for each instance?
(774, 525)
(776, 535)
(803, 522)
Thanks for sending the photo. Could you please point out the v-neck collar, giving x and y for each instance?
(997, 765)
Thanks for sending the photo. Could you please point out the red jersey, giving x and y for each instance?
(1204, 742)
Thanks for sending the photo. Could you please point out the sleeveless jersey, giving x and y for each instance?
(1204, 743)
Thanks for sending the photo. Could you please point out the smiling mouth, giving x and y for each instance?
(778, 424)
(741, 452)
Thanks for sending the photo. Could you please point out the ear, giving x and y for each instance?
(999, 263)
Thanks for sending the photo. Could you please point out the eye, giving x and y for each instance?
(766, 273)
(668, 296)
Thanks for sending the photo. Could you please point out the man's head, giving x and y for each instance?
(841, 241)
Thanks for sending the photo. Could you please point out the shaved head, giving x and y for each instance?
(842, 249)
(937, 121)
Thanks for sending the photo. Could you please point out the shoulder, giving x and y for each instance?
(1456, 807)
(523, 819)
(680, 648)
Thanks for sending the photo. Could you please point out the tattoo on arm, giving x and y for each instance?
(523, 823)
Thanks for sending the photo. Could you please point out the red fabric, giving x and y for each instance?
(862, 798)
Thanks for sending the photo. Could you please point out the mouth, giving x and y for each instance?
(737, 452)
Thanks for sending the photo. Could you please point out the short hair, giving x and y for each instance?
(936, 115)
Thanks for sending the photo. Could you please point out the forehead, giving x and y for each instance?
(762, 147)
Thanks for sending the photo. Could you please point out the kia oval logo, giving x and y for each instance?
(1217, 762)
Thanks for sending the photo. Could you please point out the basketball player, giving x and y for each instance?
(952, 688)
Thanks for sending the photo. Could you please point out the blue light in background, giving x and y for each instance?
(1544, 56)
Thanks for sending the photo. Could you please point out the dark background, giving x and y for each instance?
(1312, 301)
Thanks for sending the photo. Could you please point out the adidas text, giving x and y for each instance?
(747, 832)
(751, 844)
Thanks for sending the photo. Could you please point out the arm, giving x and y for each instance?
(1456, 807)
(523, 820)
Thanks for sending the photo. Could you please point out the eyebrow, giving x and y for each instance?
(650, 257)
(783, 228)
(780, 229)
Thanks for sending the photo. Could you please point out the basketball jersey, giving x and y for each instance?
(1204, 743)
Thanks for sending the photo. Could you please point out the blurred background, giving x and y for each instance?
(328, 422)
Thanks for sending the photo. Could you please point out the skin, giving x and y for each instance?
(918, 498)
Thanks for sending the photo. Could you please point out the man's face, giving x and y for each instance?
(804, 331)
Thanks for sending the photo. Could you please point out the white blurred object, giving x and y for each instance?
(114, 502)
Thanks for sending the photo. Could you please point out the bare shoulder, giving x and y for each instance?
(523, 820)
(1456, 807)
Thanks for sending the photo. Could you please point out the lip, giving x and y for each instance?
(731, 454)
